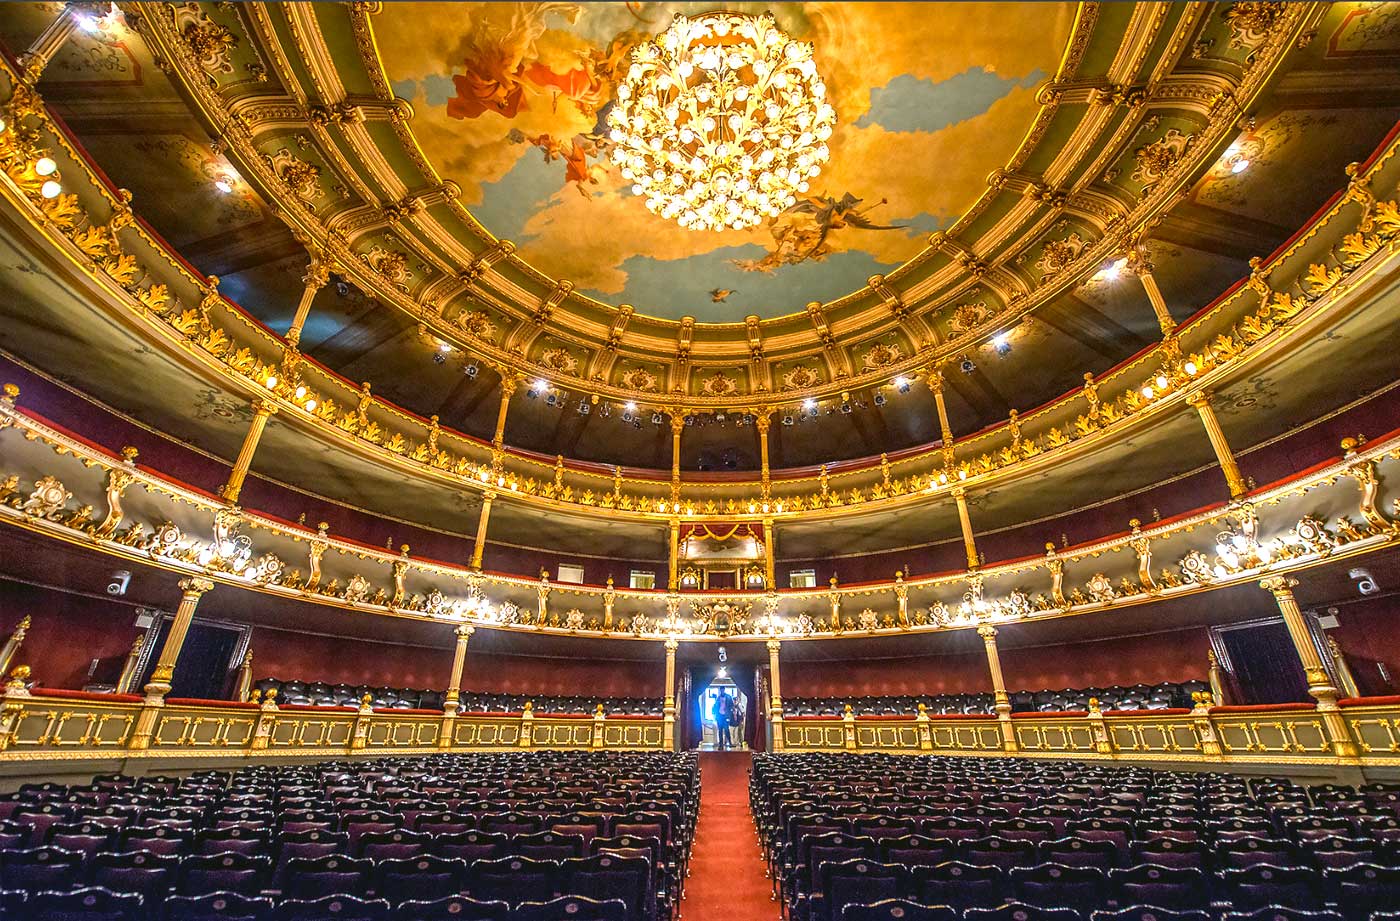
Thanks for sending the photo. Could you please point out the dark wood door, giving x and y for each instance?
(210, 653)
(1263, 664)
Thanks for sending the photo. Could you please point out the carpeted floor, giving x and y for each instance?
(726, 866)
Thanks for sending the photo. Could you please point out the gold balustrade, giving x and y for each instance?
(1265, 735)
(95, 228)
(60, 486)
(45, 725)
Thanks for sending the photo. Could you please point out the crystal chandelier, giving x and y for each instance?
(721, 121)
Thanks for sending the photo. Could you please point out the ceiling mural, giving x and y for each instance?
(510, 102)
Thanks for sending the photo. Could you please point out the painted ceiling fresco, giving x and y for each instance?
(510, 98)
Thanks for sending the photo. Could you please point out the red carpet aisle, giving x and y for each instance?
(726, 866)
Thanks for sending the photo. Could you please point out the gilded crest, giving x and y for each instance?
(881, 355)
(800, 378)
(559, 360)
(1155, 160)
(640, 380)
(719, 384)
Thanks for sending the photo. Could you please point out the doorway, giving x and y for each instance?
(208, 657)
(732, 737)
(700, 688)
(1260, 663)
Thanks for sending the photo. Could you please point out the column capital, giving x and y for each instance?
(934, 377)
(958, 492)
(677, 421)
(464, 631)
(318, 272)
(194, 587)
(264, 406)
(1198, 398)
(672, 644)
(988, 633)
(774, 646)
(1280, 586)
(763, 420)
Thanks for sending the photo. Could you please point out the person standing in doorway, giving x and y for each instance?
(737, 721)
(724, 716)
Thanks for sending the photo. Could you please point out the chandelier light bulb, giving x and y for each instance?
(45, 166)
(50, 189)
(718, 104)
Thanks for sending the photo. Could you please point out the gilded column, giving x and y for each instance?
(33, 61)
(1142, 267)
(668, 708)
(677, 426)
(479, 547)
(935, 383)
(769, 570)
(965, 523)
(509, 381)
(242, 682)
(262, 411)
(775, 703)
(159, 685)
(1003, 700)
(318, 272)
(12, 645)
(1320, 686)
(1201, 401)
(673, 574)
(126, 682)
(763, 421)
(459, 661)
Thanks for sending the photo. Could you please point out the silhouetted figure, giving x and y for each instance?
(724, 718)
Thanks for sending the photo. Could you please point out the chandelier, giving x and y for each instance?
(721, 121)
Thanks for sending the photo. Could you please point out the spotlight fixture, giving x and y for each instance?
(967, 366)
(1239, 166)
(541, 384)
(720, 416)
(439, 358)
(901, 384)
(471, 370)
(604, 410)
(788, 420)
(583, 408)
(1001, 342)
(628, 416)
(689, 420)
(879, 398)
(656, 418)
(846, 408)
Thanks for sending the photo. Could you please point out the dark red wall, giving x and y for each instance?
(335, 660)
(1368, 634)
(939, 674)
(67, 633)
(1178, 655)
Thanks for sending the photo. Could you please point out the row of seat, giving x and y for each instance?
(509, 827)
(1117, 697)
(94, 903)
(317, 693)
(905, 910)
(844, 830)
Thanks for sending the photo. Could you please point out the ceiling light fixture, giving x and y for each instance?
(721, 121)
(1239, 166)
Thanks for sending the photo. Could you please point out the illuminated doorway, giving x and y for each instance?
(710, 732)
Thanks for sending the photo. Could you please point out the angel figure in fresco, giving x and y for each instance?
(500, 51)
(577, 169)
(802, 231)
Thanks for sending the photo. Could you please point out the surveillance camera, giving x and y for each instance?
(120, 580)
(1365, 582)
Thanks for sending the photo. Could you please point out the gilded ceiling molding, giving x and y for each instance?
(589, 334)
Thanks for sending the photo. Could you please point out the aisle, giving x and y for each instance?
(726, 866)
